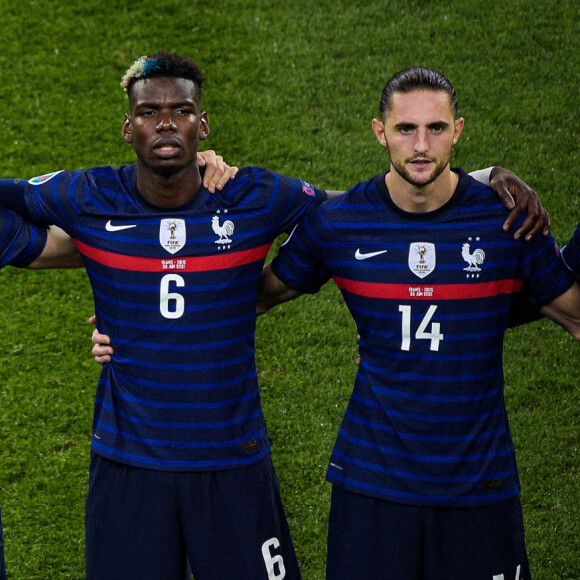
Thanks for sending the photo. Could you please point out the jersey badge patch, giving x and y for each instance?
(42, 178)
(307, 188)
(223, 231)
(474, 259)
(172, 235)
(422, 258)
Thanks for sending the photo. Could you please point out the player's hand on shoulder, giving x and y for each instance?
(518, 196)
(102, 349)
(217, 172)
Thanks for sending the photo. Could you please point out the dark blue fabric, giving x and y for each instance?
(371, 538)
(145, 524)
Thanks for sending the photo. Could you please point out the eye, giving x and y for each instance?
(437, 128)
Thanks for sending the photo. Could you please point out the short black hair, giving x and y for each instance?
(413, 79)
(163, 64)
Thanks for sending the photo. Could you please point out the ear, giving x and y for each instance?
(379, 130)
(458, 128)
(203, 126)
(126, 129)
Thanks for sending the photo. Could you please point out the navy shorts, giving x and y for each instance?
(372, 538)
(2, 561)
(144, 524)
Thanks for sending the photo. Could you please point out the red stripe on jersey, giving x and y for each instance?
(184, 264)
(426, 292)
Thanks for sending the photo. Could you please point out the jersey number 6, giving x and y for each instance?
(171, 304)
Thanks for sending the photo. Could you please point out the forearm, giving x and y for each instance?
(565, 310)
(272, 291)
(59, 252)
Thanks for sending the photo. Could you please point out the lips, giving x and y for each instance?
(166, 148)
(420, 163)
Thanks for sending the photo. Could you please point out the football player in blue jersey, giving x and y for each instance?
(424, 475)
(180, 465)
(25, 245)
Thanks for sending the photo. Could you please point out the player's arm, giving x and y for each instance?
(273, 291)
(571, 254)
(565, 310)
(518, 196)
(59, 252)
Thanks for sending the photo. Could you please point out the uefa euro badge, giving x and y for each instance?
(172, 235)
(42, 178)
(422, 258)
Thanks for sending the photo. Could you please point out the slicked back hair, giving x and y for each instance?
(417, 78)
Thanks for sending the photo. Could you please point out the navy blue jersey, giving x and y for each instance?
(430, 293)
(20, 241)
(176, 290)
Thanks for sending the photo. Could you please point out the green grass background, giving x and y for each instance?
(292, 86)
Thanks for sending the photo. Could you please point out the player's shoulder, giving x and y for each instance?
(365, 192)
(475, 188)
(91, 174)
(257, 183)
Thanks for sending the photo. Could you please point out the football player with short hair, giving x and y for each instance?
(424, 474)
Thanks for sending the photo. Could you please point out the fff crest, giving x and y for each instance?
(172, 234)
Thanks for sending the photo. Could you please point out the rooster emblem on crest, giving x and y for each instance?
(474, 259)
(224, 230)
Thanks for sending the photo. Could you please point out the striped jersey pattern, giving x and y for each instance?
(20, 241)
(176, 290)
(426, 423)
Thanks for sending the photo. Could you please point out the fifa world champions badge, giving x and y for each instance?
(172, 234)
(422, 258)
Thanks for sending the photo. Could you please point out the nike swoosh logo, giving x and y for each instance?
(360, 256)
(111, 228)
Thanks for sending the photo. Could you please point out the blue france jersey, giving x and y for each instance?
(426, 423)
(20, 241)
(176, 290)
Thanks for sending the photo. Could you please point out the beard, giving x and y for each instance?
(419, 180)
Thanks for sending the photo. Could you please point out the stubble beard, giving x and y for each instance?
(422, 180)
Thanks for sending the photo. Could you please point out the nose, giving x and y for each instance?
(421, 142)
(166, 123)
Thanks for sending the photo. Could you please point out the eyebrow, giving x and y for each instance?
(443, 124)
(156, 105)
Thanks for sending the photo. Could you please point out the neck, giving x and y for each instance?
(421, 198)
(168, 191)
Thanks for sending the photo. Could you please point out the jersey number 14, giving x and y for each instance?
(424, 332)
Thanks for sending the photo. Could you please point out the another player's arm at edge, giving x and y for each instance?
(273, 291)
(59, 252)
(571, 254)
